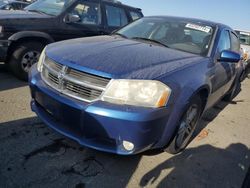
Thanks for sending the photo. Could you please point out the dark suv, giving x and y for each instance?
(23, 34)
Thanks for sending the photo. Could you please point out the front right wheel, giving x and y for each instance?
(186, 126)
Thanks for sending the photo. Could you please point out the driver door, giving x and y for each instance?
(88, 22)
(222, 71)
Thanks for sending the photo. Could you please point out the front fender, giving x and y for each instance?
(23, 34)
(185, 85)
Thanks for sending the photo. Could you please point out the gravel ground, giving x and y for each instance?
(33, 155)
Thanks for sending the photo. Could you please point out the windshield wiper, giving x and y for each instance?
(150, 40)
(119, 34)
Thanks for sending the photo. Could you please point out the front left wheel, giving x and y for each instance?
(186, 126)
(23, 57)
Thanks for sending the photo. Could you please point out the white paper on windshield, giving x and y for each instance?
(205, 29)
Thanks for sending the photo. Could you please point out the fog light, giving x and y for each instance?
(128, 145)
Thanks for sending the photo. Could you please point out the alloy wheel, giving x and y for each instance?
(187, 126)
(29, 59)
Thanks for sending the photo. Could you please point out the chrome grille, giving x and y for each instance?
(74, 83)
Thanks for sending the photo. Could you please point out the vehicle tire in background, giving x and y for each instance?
(186, 126)
(23, 57)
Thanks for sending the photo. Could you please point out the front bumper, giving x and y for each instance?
(97, 125)
(4, 44)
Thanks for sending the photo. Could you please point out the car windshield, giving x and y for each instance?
(176, 34)
(50, 7)
(244, 37)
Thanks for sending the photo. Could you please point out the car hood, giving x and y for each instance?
(116, 57)
(20, 14)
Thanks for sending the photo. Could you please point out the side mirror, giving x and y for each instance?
(71, 18)
(229, 56)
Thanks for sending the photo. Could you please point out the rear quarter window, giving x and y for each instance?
(135, 15)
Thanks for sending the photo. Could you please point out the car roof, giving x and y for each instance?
(194, 20)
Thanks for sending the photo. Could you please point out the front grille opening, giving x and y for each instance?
(53, 78)
(82, 91)
(71, 79)
(88, 78)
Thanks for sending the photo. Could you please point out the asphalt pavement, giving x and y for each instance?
(33, 155)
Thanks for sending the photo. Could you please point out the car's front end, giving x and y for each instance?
(70, 101)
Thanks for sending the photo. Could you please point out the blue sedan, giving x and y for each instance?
(143, 87)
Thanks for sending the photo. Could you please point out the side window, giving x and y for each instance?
(224, 42)
(88, 12)
(235, 43)
(21, 6)
(18, 6)
(134, 15)
(116, 17)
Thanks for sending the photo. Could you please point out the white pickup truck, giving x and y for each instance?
(245, 46)
(245, 43)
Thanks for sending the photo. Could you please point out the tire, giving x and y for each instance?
(183, 134)
(23, 57)
(233, 91)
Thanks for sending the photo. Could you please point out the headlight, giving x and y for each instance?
(41, 60)
(146, 93)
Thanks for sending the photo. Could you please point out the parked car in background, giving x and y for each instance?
(144, 87)
(245, 46)
(12, 5)
(23, 34)
(245, 43)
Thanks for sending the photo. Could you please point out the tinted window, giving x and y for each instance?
(116, 17)
(22, 5)
(17, 6)
(135, 15)
(88, 12)
(235, 43)
(224, 42)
